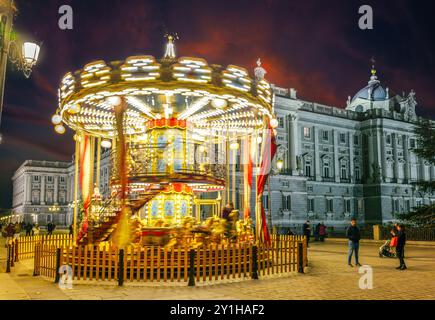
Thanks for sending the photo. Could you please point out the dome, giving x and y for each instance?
(377, 92)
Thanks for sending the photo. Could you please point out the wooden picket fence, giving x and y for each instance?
(25, 246)
(206, 264)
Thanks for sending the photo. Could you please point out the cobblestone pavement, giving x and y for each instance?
(328, 277)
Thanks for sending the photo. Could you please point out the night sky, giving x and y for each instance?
(311, 45)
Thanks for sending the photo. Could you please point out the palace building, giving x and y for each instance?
(337, 163)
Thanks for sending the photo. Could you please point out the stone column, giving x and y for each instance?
(293, 143)
(370, 149)
(56, 190)
(317, 154)
(28, 188)
(42, 199)
(407, 168)
(336, 161)
(351, 158)
(395, 158)
(380, 144)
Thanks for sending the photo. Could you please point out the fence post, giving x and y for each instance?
(192, 268)
(8, 262)
(300, 257)
(56, 280)
(36, 260)
(254, 262)
(12, 255)
(16, 250)
(121, 267)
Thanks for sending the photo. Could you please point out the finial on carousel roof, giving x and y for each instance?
(259, 71)
(170, 46)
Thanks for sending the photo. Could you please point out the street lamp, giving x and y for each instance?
(24, 56)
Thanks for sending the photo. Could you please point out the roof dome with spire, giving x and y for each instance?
(371, 96)
(373, 91)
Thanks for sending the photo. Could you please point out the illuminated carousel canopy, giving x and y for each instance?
(211, 97)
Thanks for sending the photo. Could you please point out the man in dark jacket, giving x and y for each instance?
(401, 240)
(353, 235)
(307, 230)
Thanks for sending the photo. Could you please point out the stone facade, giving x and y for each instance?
(43, 191)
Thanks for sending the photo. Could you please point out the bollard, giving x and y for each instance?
(56, 280)
(121, 268)
(16, 250)
(192, 268)
(8, 262)
(255, 263)
(300, 257)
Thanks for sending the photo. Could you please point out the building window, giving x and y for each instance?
(265, 200)
(35, 197)
(357, 174)
(388, 138)
(310, 205)
(347, 206)
(412, 143)
(355, 140)
(49, 218)
(287, 202)
(325, 135)
(329, 205)
(281, 122)
(307, 133)
(343, 170)
(35, 178)
(62, 179)
(408, 206)
(342, 138)
(49, 179)
(326, 169)
(308, 168)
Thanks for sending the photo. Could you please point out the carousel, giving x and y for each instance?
(185, 138)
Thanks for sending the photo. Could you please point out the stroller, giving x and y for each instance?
(386, 251)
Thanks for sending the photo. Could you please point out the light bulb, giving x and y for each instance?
(60, 129)
(279, 164)
(114, 100)
(56, 119)
(106, 144)
(274, 123)
(259, 139)
(219, 103)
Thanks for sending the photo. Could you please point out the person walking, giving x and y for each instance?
(353, 234)
(401, 241)
(322, 232)
(71, 229)
(316, 232)
(306, 229)
(28, 228)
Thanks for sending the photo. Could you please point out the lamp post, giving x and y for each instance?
(24, 56)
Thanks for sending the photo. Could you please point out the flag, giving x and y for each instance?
(247, 175)
(267, 155)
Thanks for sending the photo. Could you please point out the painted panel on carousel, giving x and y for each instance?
(169, 208)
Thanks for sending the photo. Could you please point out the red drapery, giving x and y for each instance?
(269, 150)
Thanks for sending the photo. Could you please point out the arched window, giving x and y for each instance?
(326, 167)
(308, 172)
(343, 169)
